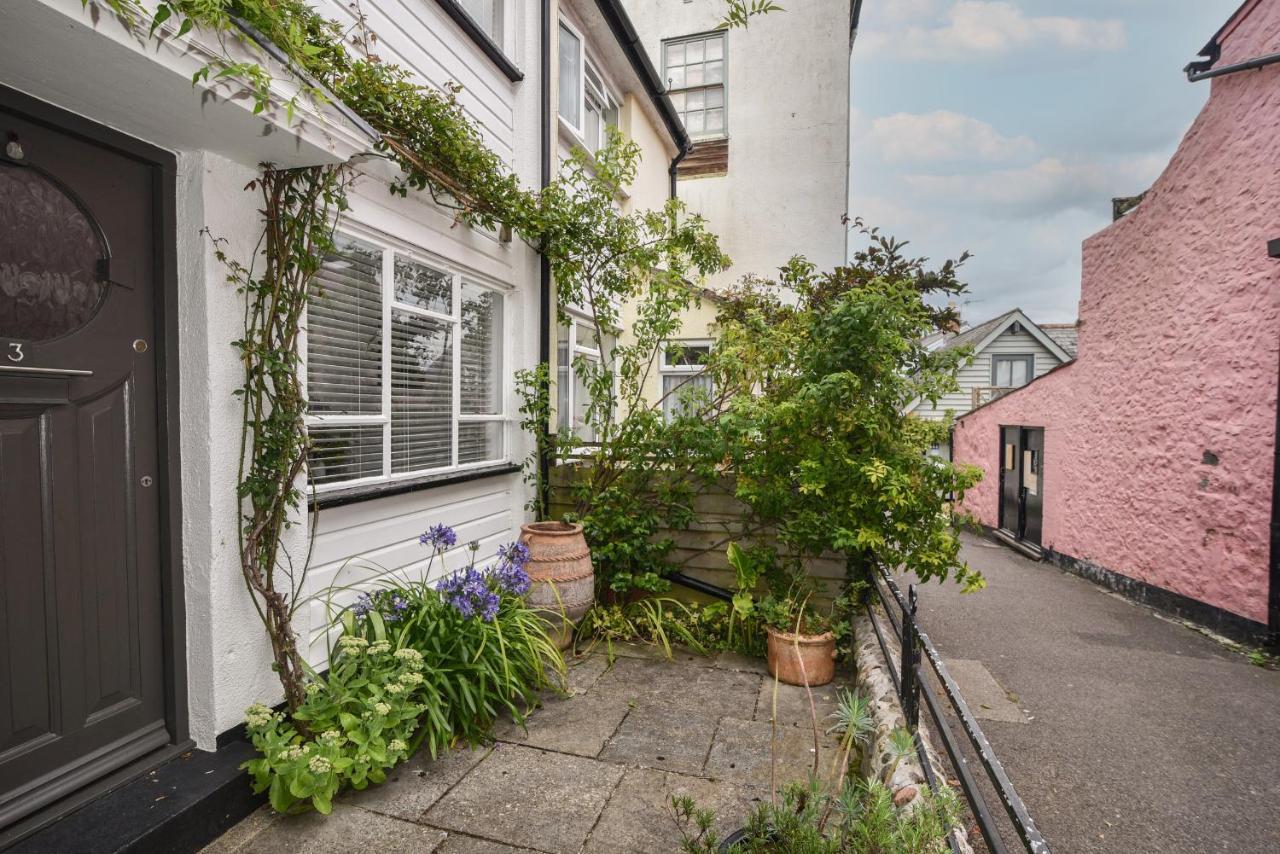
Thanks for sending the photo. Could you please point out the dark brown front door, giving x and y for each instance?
(1022, 482)
(81, 643)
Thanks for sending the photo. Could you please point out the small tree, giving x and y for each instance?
(823, 450)
(638, 473)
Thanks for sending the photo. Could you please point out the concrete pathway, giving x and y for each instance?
(1123, 732)
(594, 772)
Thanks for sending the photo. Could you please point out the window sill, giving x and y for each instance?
(487, 45)
(341, 497)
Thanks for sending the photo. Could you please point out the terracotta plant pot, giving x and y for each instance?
(563, 579)
(793, 657)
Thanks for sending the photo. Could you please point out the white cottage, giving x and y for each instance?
(1006, 352)
(129, 647)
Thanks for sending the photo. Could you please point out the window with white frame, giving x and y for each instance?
(600, 108)
(694, 68)
(578, 341)
(570, 77)
(488, 14)
(405, 378)
(686, 386)
(586, 104)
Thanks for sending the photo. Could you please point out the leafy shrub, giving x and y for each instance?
(354, 724)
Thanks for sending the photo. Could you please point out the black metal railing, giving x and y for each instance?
(918, 658)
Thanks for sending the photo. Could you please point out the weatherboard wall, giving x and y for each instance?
(976, 373)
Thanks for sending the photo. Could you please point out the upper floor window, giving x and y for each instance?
(585, 102)
(601, 110)
(694, 69)
(570, 77)
(405, 367)
(1011, 371)
(488, 14)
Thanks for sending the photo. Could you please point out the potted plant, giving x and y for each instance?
(802, 645)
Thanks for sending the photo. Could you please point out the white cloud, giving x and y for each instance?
(943, 136)
(1047, 186)
(973, 29)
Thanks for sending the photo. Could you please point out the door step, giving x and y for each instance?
(1031, 550)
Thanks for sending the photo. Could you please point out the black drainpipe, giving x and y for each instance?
(625, 32)
(544, 266)
(674, 171)
(701, 586)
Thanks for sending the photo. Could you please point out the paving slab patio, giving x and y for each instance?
(592, 770)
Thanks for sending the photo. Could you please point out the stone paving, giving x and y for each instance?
(593, 771)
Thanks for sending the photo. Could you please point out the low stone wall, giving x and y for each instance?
(700, 549)
(872, 679)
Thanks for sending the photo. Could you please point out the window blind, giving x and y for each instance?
(345, 453)
(421, 393)
(344, 332)
(481, 382)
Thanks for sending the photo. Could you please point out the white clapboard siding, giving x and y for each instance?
(977, 374)
(357, 545)
(422, 39)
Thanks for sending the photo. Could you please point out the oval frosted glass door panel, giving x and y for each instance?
(50, 257)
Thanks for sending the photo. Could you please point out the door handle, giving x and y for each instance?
(45, 372)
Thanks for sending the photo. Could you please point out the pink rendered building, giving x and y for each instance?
(1148, 462)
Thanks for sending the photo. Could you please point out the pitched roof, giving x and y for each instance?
(978, 336)
(975, 334)
(1063, 334)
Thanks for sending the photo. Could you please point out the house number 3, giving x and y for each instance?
(15, 353)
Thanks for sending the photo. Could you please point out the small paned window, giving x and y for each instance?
(694, 70)
(405, 367)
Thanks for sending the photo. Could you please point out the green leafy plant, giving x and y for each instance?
(823, 452)
(360, 720)
(632, 472)
(808, 820)
(659, 621)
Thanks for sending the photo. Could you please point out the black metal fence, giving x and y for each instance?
(919, 667)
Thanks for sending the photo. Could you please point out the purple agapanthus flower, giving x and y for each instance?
(514, 554)
(469, 593)
(439, 537)
(510, 578)
(363, 605)
(393, 607)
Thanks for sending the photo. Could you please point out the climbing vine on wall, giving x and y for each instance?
(298, 209)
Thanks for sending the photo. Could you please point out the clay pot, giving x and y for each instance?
(788, 651)
(563, 579)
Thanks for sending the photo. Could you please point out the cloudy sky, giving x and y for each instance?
(1005, 127)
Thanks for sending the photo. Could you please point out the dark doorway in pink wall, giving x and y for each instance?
(1022, 482)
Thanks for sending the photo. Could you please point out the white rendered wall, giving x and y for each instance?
(788, 121)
